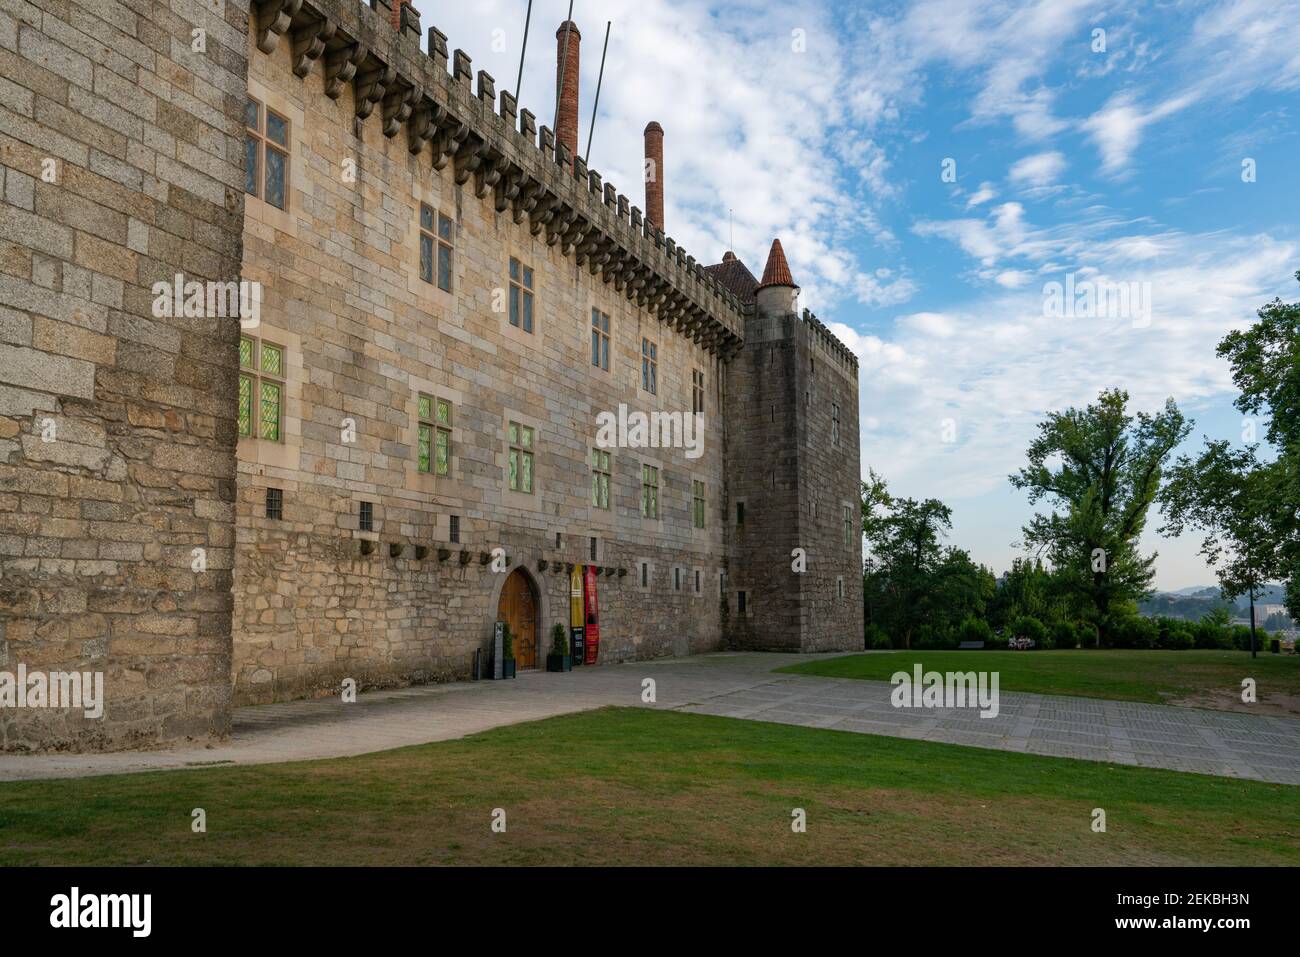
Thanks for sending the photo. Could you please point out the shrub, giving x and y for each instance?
(1064, 635)
(1085, 634)
(975, 629)
(560, 640)
(1027, 626)
(1134, 631)
(876, 639)
(1175, 635)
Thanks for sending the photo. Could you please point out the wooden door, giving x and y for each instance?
(518, 607)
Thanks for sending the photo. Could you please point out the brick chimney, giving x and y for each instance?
(397, 14)
(654, 173)
(566, 81)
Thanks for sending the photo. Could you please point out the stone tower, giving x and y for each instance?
(791, 405)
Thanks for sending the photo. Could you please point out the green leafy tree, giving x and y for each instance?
(904, 556)
(1100, 468)
(1265, 361)
(1225, 493)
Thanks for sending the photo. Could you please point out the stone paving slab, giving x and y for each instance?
(742, 686)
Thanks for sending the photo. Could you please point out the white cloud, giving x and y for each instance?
(1040, 169)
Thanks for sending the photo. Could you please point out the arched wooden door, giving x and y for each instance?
(518, 607)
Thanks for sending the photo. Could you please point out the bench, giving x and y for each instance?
(970, 646)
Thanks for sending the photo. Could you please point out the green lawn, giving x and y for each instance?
(632, 786)
(1156, 676)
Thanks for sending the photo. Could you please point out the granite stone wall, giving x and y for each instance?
(120, 166)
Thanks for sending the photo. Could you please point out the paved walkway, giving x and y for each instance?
(732, 685)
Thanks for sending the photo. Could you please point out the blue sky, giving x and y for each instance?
(828, 125)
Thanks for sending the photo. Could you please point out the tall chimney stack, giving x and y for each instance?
(397, 14)
(566, 81)
(654, 174)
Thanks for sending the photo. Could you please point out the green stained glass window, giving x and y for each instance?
(526, 437)
(246, 353)
(245, 405)
(270, 417)
(426, 437)
(526, 471)
(426, 408)
(272, 359)
(514, 470)
(649, 491)
(444, 451)
(444, 412)
(514, 433)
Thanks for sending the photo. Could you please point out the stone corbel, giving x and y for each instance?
(273, 19)
(542, 213)
(424, 123)
(468, 159)
(489, 173)
(573, 235)
(528, 195)
(309, 43)
(559, 225)
(398, 104)
(507, 189)
(447, 141)
(341, 66)
(370, 84)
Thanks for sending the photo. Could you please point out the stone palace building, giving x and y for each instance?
(399, 440)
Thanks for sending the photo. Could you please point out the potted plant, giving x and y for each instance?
(507, 653)
(559, 658)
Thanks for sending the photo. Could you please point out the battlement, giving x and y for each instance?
(457, 117)
(830, 341)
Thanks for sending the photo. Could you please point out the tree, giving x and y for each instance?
(1265, 362)
(1226, 493)
(904, 555)
(1100, 467)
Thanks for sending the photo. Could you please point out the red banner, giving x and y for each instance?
(592, 615)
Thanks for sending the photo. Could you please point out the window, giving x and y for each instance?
(835, 424)
(740, 513)
(521, 296)
(559, 540)
(600, 340)
(697, 581)
(521, 458)
(275, 504)
(649, 491)
(266, 153)
(839, 587)
(697, 503)
(435, 435)
(649, 367)
(453, 529)
(848, 525)
(599, 478)
(261, 389)
(741, 603)
(367, 516)
(645, 575)
(439, 242)
(594, 545)
(697, 391)
(677, 579)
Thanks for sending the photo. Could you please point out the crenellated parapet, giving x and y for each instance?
(458, 119)
(830, 341)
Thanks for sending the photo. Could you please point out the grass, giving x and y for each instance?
(1154, 676)
(639, 787)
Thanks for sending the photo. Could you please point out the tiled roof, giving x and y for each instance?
(734, 276)
(777, 272)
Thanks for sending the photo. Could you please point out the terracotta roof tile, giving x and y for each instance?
(777, 272)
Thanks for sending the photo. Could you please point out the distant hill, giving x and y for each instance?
(1197, 601)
